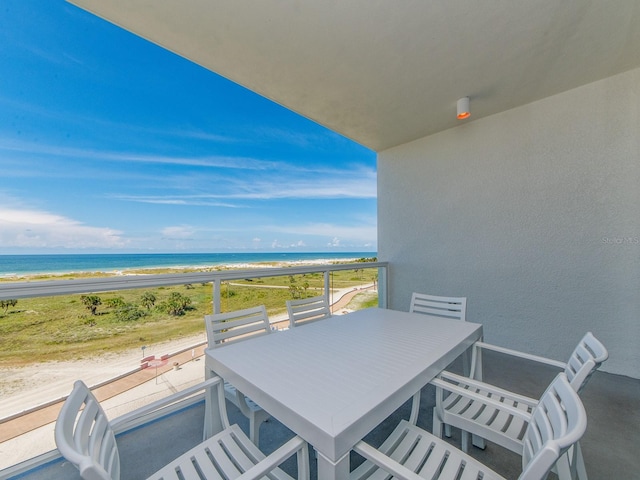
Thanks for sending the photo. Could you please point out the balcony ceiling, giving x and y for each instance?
(387, 72)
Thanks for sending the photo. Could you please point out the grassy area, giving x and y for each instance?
(363, 300)
(63, 328)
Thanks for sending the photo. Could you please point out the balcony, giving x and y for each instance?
(612, 401)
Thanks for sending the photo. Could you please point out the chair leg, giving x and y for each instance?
(580, 468)
(415, 409)
(478, 442)
(257, 418)
(212, 423)
(465, 437)
(437, 425)
(573, 457)
(466, 364)
(254, 430)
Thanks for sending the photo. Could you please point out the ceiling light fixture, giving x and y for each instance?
(463, 108)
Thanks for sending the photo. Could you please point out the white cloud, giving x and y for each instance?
(336, 186)
(97, 156)
(185, 200)
(340, 186)
(262, 179)
(366, 232)
(21, 227)
(178, 232)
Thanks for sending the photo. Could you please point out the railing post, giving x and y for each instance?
(327, 286)
(382, 287)
(216, 295)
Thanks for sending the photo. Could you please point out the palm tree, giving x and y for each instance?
(91, 302)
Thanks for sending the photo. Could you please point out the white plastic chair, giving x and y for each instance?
(486, 411)
(585, 359)
(86, 438)
(410, 453)
(454, 308)
(447, 307)
(239, 325)
(306, 310)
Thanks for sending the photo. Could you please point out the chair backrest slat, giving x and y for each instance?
(306, 310)
(447, 307)
(585, 359)
(85, 438)
(224, 328)
(557, 423)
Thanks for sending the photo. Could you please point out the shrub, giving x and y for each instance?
(5, 304)
(176, 305)
(128, 312)
(91, 302)
(148, 300)
(115, 302)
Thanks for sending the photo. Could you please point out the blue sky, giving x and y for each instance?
(109, 143)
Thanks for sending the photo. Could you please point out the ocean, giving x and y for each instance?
(11, 265)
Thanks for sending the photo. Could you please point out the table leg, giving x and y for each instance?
(209, 428)
(329, 470)
(477, 374)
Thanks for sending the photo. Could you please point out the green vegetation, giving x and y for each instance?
(363, 300)
(176, 305)
(70, 327)
(6, 304)
(92, 302)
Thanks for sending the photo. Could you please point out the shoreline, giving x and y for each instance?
(157, 270)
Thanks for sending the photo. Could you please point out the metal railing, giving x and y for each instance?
(46, 288)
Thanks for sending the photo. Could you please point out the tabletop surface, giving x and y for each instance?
(334, 380)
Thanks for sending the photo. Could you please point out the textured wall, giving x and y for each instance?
(533, 214)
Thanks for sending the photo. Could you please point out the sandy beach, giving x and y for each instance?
(184, 268)
(31, 434)
(24, 388)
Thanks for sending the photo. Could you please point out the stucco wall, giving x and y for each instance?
(533, 214)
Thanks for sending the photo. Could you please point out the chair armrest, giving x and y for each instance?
(386, 463)
(516, 353)
(496, 391)
(463, 392)
(120, 422)
(295, 445)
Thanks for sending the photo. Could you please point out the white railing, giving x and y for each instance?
(46, 288)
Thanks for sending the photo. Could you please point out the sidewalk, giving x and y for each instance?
(29, 435)
(23, 423)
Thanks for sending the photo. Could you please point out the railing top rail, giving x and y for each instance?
(45, 288)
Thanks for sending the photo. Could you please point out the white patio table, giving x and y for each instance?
(335, 380)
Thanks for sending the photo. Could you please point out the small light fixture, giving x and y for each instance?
(463, 108)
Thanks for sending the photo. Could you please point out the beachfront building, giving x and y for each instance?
(529, 207)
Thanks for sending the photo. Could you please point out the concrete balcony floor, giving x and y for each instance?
(610, 444)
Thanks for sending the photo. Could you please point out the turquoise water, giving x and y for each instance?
(31, 264)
